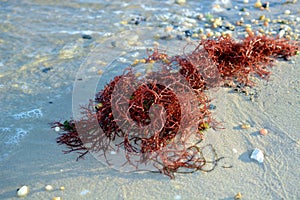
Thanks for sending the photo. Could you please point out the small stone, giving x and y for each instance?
(48, 187)
(266, 5)
(212, 107)
(263, 131)
(262, 17)
(238, 196)
(245, 126)
(266, 23)
(88, 37)
(23, 191)
(257, 155)
(180, 2)
(47, 69)
(57, 129)
(210, 34)
(188, 33)
(100, 72)
(287, 12)
(246, 1)
(62, 188)
(258, 4)
(56, 198)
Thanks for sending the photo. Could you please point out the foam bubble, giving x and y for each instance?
(15, 139)
(35, 113)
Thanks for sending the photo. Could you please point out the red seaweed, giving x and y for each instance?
(156, 120)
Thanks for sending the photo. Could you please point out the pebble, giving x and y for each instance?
(257, 155)
(100, 72)
(238, 196)
(212, 107)
(258, 4)
(234, 150)
(23, 191)
(188, 33)
(88, 37)
(245, 126)
(62, 188)
(56, 198)
(180, 2)
(266, 6)
(263, 131)
(47, 69)
(57, 129)
(287, 12)
(48, 187)
(262, 17)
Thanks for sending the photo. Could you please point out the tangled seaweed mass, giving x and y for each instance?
(161, 123)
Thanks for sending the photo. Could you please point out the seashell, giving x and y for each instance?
(257, 155)
(23, 191)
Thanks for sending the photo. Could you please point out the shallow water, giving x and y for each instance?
(42, 50)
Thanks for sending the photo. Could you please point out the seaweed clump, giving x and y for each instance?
(160, 120)
(251, 56)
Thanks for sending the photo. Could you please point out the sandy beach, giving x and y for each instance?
(39, 63)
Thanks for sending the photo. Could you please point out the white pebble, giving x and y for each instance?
(287, 12)
(57, 129)
(48, 187)
(257, 155)
(23, 191)
(234, 150)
